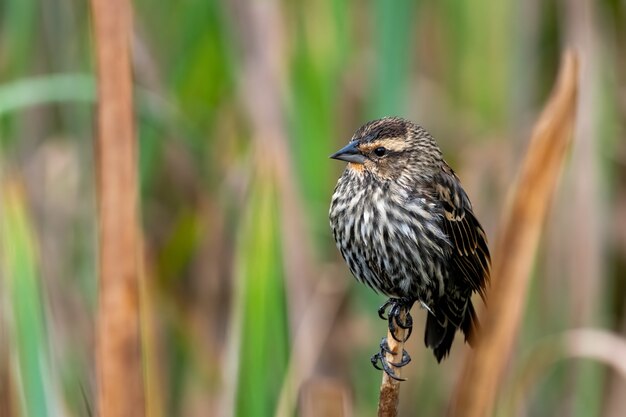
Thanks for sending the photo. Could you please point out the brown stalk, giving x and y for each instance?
(389, 397)
(516, 244)
(118, 350)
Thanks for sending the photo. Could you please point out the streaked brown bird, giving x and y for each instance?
(405, 227)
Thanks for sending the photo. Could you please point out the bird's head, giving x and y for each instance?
(389, 148)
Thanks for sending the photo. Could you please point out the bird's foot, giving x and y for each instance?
(385, 365)
(397, 306)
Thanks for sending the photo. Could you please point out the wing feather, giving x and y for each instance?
(470, 255)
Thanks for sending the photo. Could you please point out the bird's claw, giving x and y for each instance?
(392, 311)
(383, 309)
(384, 346)
(396, 305)
(385, 365)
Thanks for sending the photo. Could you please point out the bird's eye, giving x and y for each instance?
(380, 151)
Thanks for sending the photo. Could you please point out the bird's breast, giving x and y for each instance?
(385, 237)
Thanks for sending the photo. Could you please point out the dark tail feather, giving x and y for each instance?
(443, 349)
(470, 324)
(439, 336)
(435, 331)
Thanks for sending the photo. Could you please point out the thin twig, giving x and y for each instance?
(389, 397)
(118, 355)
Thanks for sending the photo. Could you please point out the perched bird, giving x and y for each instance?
(405, 227)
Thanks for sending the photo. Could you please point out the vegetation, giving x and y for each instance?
(246, 308)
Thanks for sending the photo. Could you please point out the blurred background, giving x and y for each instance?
(247, 308)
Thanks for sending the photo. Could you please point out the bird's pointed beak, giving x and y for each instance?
(349, 153)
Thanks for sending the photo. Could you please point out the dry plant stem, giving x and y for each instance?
(118, 352)
(390, 388)
(516, 245)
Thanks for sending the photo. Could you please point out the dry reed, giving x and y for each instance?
(515, 247)
(118, 356)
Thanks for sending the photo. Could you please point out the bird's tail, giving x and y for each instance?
(440, 333)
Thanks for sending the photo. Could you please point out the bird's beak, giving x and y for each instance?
(349, 153)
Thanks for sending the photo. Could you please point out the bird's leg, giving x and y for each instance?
(384, 362)
(397, 313)
(396, 306)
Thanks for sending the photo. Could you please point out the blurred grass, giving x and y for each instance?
(393, 42)
(19, 20)
(57, 88)
(263, 352)
(315, 77)
(476, 72)
(27, 333)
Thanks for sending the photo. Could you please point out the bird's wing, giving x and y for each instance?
(470, 255)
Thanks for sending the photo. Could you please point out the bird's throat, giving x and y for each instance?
(356, 167)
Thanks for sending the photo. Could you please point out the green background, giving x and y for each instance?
(238, 105)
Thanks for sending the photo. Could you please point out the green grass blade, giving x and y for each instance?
(264, 351)
(18, 25)
(393, 21)
(28, 92)
(320, 50)
(27, 329)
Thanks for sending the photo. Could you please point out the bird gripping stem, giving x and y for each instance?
(389, 387)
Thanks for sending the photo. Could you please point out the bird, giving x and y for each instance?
(406, 228)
